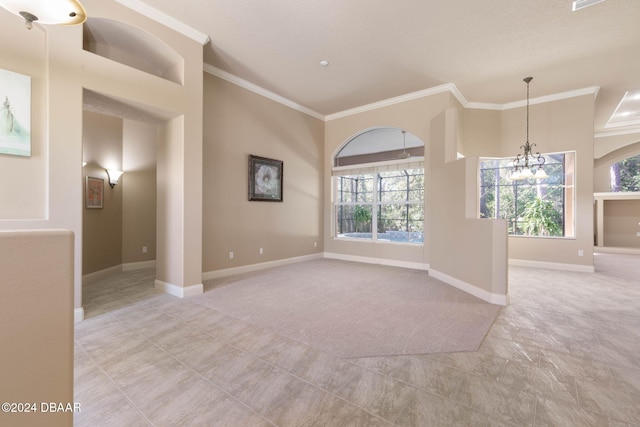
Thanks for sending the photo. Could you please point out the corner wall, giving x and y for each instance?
(239, 123)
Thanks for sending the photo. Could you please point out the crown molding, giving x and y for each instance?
(593, 90)
(399, 99)
(166, 20)
(628, 131)
(231, 78)
(448, 87)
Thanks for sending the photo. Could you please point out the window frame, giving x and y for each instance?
(568, 186)
(374, 170)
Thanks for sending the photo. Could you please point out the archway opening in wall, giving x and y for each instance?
(378, 187)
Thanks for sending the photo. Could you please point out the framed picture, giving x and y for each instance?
(94, 192)
(265, 179)
(15, 114)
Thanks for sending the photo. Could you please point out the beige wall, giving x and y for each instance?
(25, 55)
(61, 70)
(102, 228)
(115, 234)
(562, 125)
(415, 117)
(239, 123)
(622, 223)
(139, 191)
(36, 314)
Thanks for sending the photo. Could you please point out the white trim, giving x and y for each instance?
(553, 265)
(397, 100)
(142, 265)
(380, 261)
(256, 267)
(97, 275)
(616, 250)
(382, 164)
(448, 87)
(593, 90)
(224, 75)
(166, 20)
(78, 315)
(619, 132)
(483, 294)
(179, 291)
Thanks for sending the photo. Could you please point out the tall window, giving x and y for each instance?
(625, 175)
(532, 207)
(393, 200)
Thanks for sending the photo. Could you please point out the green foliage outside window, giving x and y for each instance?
(531, 207)
(541, 218)
(625, 175)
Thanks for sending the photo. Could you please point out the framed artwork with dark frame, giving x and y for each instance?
(265, 179)
(94, 193)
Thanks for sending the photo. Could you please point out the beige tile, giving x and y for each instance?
(558, 413)
(111, 410)
(223, 412)
(426, 409)
(511, 405)
(326, 371)
(378, 394)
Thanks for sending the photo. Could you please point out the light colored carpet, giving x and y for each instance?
(355, 310)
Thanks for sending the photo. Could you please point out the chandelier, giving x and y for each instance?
(523, 163)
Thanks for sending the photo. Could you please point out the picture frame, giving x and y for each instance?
(15, 114)
(265, 179)
(94, 193)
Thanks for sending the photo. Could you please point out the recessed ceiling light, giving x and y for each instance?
(324, 63)
(581, 4)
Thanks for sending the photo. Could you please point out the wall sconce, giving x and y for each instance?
(113, 175)
(58, 12)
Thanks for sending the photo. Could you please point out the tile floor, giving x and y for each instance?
(566, 352)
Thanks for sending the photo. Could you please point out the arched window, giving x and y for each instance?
(625, 175)
(378, 187)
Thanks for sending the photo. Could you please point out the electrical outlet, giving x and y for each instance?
(261, 251)
(638, 234)
(315, 244)
(144, 249)
(580, 252)
(231, 255)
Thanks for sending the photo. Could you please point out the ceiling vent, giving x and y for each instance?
(581, 4)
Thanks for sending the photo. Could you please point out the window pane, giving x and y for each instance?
(354, 189)
(532, 207)
(625, 175)
(403, 185)
(353, 221)
(401, 222)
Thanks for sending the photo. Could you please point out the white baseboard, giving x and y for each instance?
(78, 315)
(616, 250)
(142, 265)
(179, 291)
(381, 261)
(256, 267)
(553, 265)
(471, 289)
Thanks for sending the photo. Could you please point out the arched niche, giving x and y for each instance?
(133, 47)
(379, 144)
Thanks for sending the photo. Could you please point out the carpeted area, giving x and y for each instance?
(355, 310)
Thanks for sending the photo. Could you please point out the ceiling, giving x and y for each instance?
(379, 49)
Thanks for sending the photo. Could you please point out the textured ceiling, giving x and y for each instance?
(380, 49)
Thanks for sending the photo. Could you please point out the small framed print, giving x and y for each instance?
(94, 193)
(265, 179)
